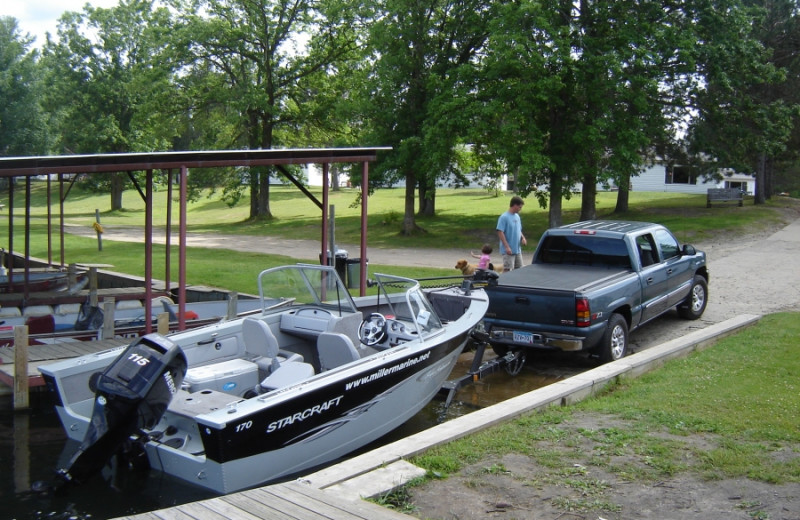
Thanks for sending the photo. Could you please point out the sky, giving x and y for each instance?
(38, 17)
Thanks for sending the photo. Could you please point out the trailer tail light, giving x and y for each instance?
(583, 315)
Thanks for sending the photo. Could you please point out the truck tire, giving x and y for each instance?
(695, 304)
(614, 344)
(500, 350)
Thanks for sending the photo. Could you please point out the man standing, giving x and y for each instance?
(509, 231)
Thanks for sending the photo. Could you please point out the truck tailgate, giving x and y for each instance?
(527, 306)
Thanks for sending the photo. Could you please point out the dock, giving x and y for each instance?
(44, 354)
(288, 501)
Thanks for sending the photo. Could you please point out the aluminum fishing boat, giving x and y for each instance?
(314, 376)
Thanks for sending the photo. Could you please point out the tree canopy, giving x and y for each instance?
(562, 97)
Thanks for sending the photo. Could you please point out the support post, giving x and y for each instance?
(93, 286)
(162, 323)
(109, 305)
(21, 397)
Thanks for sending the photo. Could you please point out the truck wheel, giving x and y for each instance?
(499, 349)
(695, 304)
(614, 344)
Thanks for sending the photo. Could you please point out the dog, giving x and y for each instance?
(466, 268)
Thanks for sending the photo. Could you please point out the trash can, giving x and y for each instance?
(339, 262)
(354, 273)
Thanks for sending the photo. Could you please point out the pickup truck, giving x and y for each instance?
(590, 284)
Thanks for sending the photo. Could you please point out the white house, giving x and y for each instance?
(660, 177)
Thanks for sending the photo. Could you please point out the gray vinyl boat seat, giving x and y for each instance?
(335, 349)
(261, 343)
(286, 374)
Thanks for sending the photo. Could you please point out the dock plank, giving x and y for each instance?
(320, 506)
(287, 501)
(249, 503)
(299, 511)
(49, 354)
(366, 510)
(167, 514)
(200, 511)
(228, 510)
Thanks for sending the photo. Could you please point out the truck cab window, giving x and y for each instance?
(648, 253)
(668, 244)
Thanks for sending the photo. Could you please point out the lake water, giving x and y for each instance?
(33, 444)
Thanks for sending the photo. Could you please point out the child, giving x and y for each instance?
(485, 258)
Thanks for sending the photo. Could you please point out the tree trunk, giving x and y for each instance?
(263, 194)
(334, 170)
(623, 194)
(253, 193)
(760, 196)
(117, 187)
(769, 177)
(409, 223)
(589, 197)
(556, 194)
(427, 201)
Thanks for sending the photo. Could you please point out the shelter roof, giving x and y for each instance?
(43, 165)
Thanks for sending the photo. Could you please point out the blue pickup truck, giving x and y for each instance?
(590, 284)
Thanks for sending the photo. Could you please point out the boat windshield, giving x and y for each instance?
(300, 284)
(403, 299)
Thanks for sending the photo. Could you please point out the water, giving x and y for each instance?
(33, 445)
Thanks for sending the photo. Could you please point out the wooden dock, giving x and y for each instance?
(287, 501)
(43, 354)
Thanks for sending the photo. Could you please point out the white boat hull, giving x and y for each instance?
(225, 431)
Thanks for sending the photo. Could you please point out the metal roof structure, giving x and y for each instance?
(123, 162)
(182, 162)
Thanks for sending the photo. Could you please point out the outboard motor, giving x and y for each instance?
(131, 394)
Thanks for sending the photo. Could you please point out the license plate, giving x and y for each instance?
(523, 337)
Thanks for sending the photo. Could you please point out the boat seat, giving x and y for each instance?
(262, 343)
(347, 324)
(286, 374)
(335, 349)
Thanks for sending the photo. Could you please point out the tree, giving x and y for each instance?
(109, 82)
(263, 64)
(748, 109)
(422, 63)
(23, 124)
(579, 92)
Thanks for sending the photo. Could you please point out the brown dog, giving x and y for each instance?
(467, 269)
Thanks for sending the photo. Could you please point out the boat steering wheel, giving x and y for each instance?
(372, 330)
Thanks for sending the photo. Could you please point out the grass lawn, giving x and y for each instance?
(727, 412)
(463, 216)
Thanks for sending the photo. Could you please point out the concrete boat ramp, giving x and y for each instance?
(337, 492)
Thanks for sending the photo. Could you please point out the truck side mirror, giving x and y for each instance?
(689, 250)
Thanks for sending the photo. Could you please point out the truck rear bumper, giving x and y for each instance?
(563, 342)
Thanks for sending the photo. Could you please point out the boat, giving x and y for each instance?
(35, 281)
(313, 376)
(65, 322)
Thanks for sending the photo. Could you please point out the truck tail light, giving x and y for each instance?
(583, 315)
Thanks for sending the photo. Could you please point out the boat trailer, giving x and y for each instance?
(512, 362)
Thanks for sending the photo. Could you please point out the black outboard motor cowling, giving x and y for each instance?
(131, 394)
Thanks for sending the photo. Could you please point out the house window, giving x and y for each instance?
(737, 185)
(680, 175)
